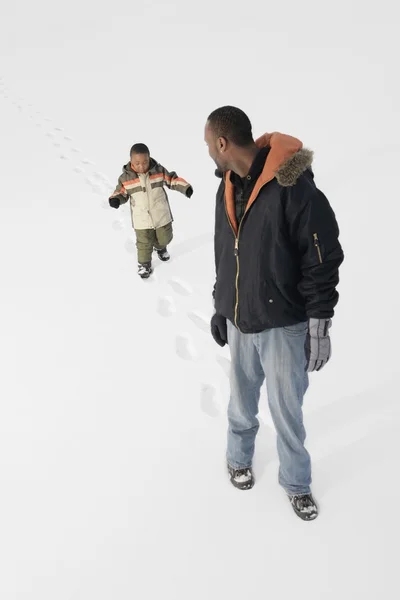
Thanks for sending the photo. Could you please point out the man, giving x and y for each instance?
(277, 257)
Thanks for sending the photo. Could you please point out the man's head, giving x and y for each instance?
(227, 133)
(140, 158)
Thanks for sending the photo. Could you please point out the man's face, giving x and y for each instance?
(140, 162)
(216, 148)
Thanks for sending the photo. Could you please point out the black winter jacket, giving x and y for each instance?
(280, 266)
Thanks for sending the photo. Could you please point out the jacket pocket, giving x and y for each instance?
(317, 247)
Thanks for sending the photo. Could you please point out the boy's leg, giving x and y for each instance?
(246, 379)
(283, 359)
(144, 243)
(163, 236)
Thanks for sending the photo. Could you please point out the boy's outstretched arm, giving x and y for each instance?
(173, 182)
(119, 195)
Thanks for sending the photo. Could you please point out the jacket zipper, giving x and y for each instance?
(147, 185)
(318, 247)
(236, 253)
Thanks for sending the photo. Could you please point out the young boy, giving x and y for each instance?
(142, 182)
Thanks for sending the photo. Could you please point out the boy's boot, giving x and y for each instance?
(163, 254)
(144, 270)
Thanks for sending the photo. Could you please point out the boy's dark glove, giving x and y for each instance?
(113, 202)
(219, 330)
(189, 192)
(318, 344)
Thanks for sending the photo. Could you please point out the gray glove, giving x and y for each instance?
(318, 344)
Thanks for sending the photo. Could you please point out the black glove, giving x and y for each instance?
(219, 330)
(189, 192)
(318, 344)
(113, 202)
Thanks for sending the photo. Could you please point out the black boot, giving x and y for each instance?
(163, 254)
(144, 270)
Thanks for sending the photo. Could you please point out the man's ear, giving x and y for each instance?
(221, 144)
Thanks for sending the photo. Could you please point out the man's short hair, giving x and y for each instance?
(233, 124)
(140, 149)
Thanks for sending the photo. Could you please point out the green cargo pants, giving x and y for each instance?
(147, 239)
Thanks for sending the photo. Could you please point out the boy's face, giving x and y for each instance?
(140, 162)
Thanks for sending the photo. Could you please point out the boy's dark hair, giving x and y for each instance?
(233, 124)
(140, 149)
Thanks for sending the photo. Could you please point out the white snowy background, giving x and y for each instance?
(112, 392)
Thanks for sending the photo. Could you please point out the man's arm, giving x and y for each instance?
(314, 232)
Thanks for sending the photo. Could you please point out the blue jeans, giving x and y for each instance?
(278, 356)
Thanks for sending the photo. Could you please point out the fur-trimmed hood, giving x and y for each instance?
(287, 158)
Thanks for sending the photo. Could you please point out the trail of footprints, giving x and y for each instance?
(102, 187)
(185, 346)
(98, 183)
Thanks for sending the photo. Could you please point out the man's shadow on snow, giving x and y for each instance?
(375, 417)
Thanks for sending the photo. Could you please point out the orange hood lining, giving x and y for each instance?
(282, 147)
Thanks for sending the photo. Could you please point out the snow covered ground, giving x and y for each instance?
(112, 392)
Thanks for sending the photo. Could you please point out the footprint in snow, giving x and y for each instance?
(130, 245)
(208, 401)
(166, 306)
(180, 287)
(200, 321)
(184, 348)
(225, 365)
(102, 177)
(96, 189)
(118, 225)
(90, 182)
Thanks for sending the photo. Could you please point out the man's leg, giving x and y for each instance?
(283, 359)
(145, 239)
(245, 382)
